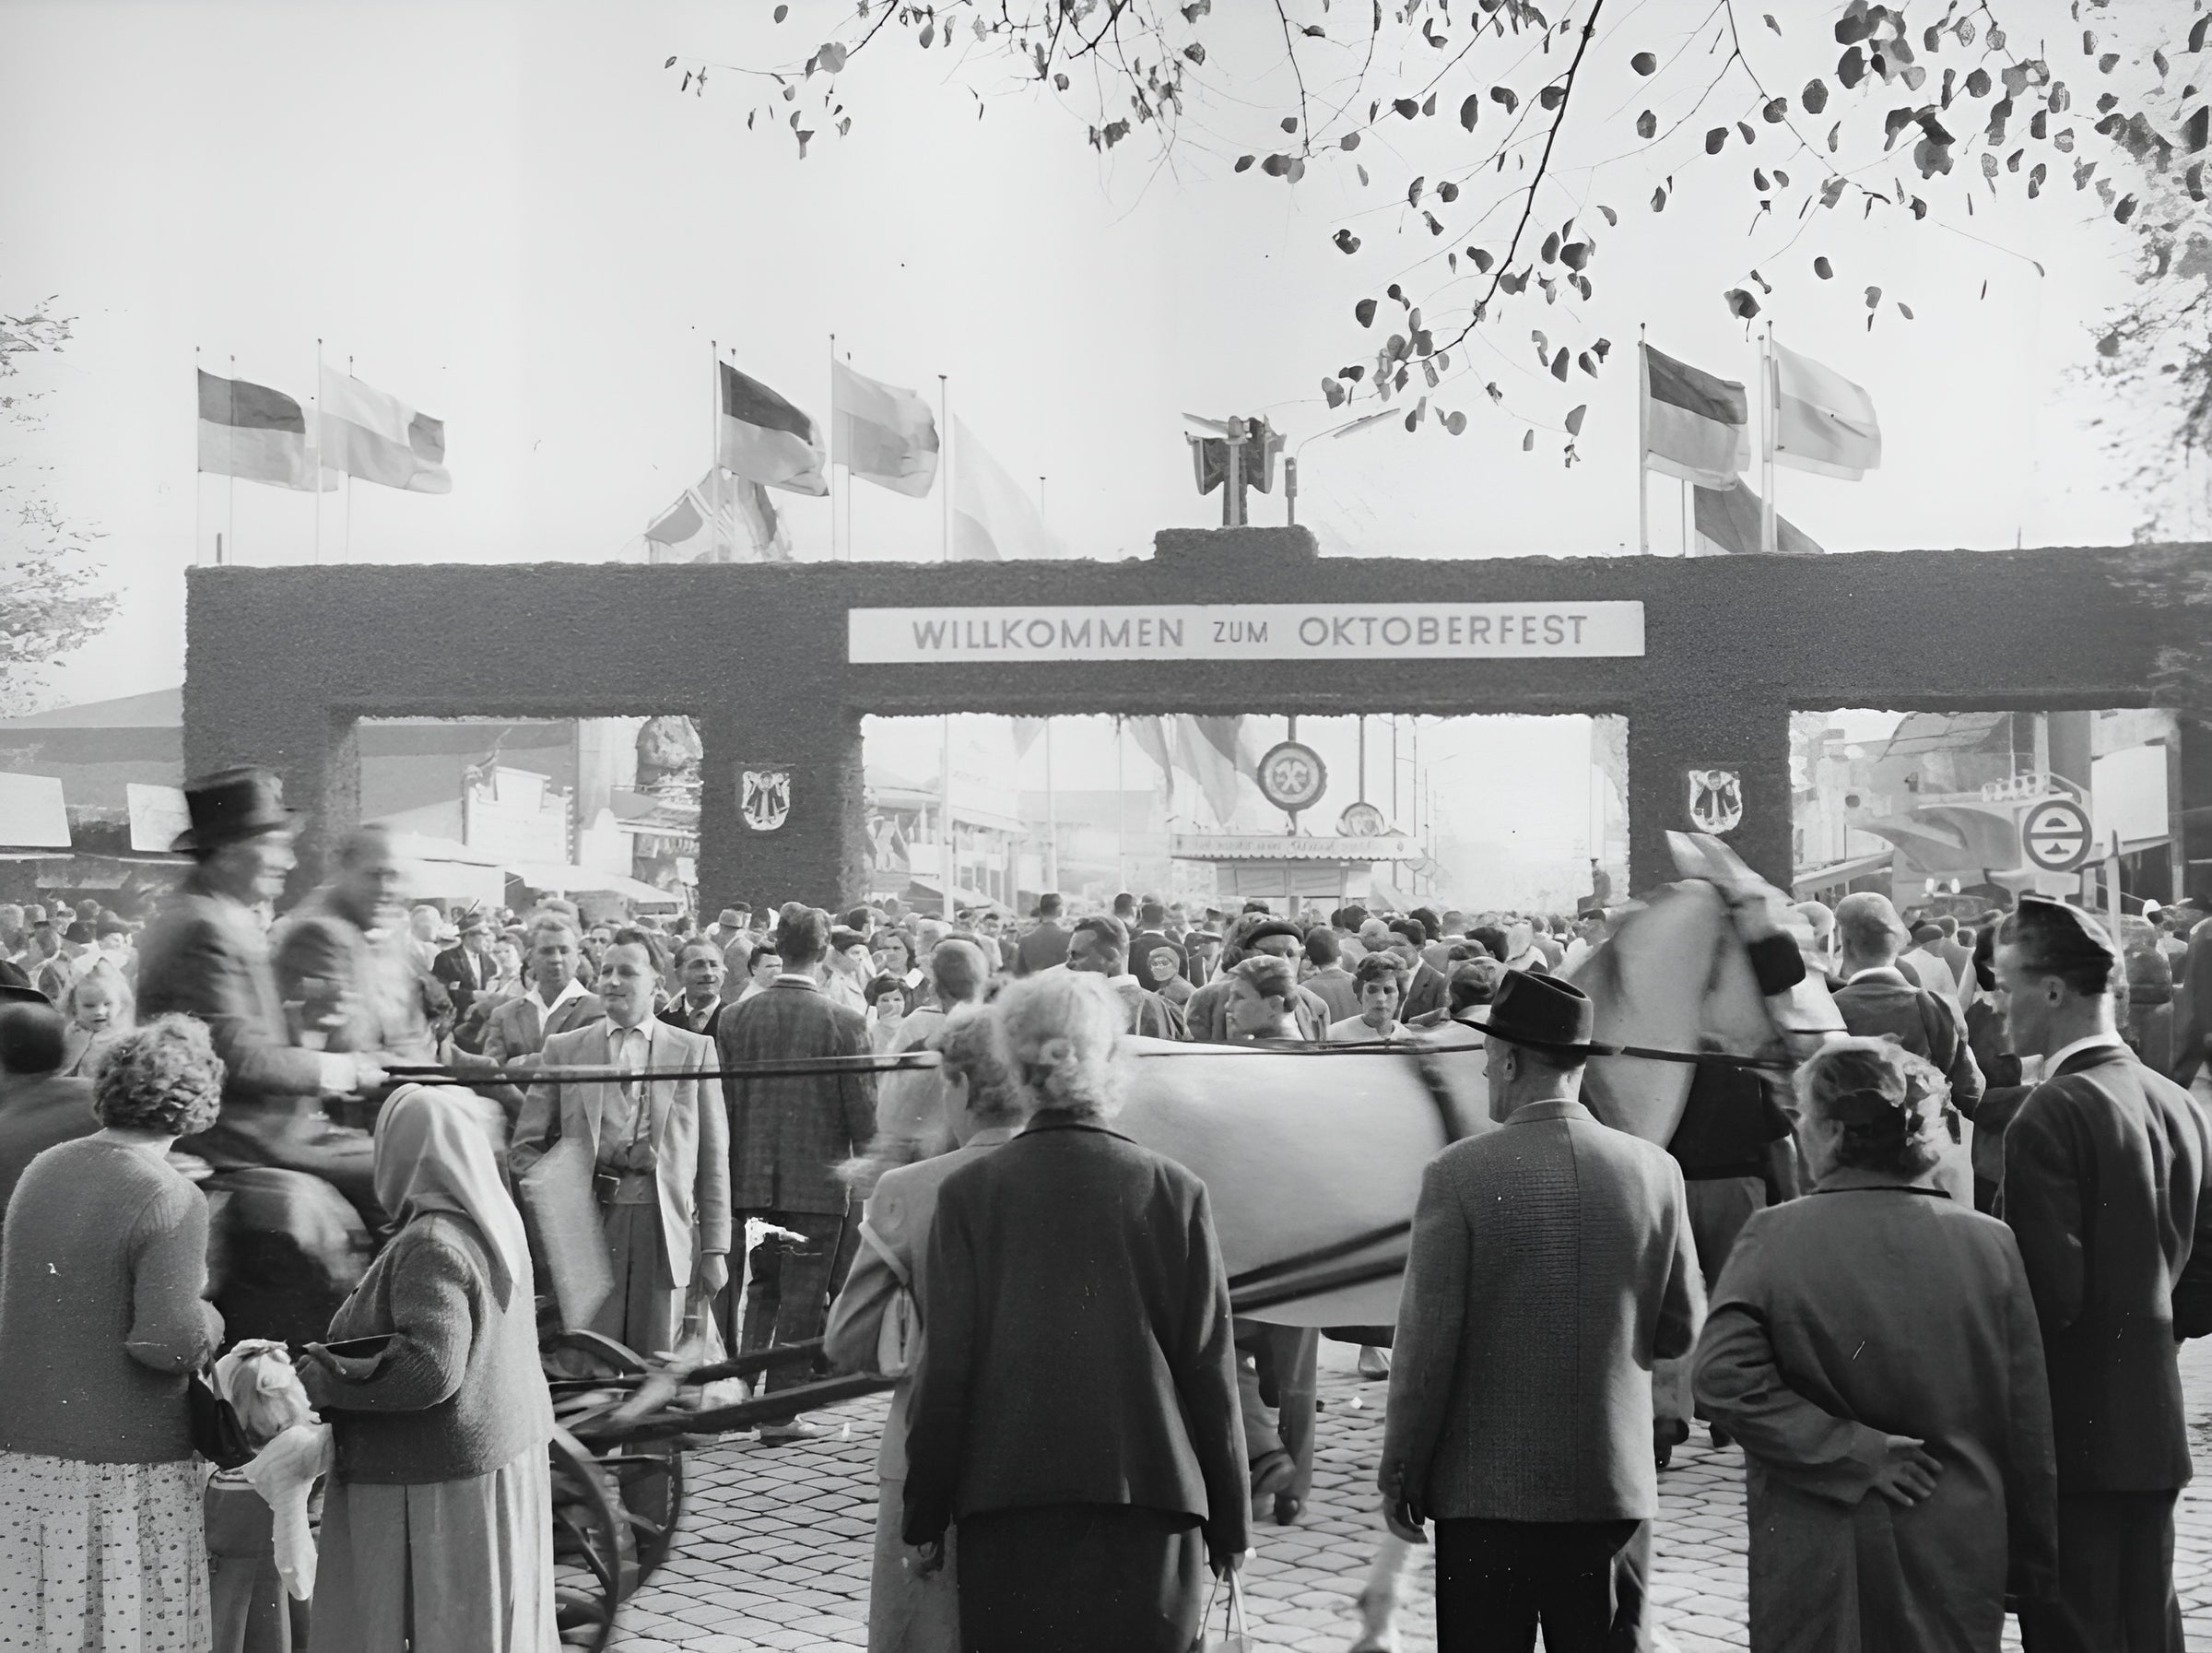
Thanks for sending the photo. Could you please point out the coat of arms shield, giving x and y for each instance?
(1716, 800)
(764, 797)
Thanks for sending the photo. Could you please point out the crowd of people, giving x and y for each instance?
(1953, 1374)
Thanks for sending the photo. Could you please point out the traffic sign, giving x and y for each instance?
(2055, 836)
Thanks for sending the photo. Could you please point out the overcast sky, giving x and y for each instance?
(506, 213)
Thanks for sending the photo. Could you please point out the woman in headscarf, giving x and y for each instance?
(1874, 1347)
(436, 1521)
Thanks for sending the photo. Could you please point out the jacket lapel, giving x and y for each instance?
(592, 1096)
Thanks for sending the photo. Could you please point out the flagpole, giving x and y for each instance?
(714, 450)
(1051, 817)
(829, 466)
(349, 487)
(1120, 815)
(315, 469)
(199, 486)
(952, 867)
(944, 453)
(1644, 447)
(230, 482)
(1689, 541)
(1770, 404)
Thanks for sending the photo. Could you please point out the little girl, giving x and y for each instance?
(247, 1566)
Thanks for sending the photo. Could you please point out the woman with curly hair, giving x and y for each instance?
(1075, 1414)
(1874, 1347)
(102, 1265)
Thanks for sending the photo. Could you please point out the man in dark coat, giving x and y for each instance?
(1045, 944)
(788, 1134)
(2106, 1169)
(466, 968)
(1877, 1001)
(38, 1108)
(1100, 946)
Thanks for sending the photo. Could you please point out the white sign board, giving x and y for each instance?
(31, 815)
(157, 816)
(2055, 836)
(1280, 847)
(1246, 631)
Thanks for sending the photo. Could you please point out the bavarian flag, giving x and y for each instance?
(881, 433)
(1823, 422)
(371, 434)
(764, 439)
(252, 432)
(1695, 426)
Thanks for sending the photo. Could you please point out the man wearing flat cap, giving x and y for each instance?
(1551, 1264)
(1206, 1013)
(206, 954)
(2105, 1188)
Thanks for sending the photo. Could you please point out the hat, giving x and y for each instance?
(2065, 935)
(1543, 1013)
(473, 923)
(80, 932)
(232, 805)
(1272, 928)
(1927, 932)
(842, 937)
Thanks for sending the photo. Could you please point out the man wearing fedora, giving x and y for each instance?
(206, 955)
(1551, 1264)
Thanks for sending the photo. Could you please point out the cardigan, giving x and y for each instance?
(456, 1391)
(101, 1267)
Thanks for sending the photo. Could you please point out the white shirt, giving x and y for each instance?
(575, 989)
(1354, 1030)
(696, 1018)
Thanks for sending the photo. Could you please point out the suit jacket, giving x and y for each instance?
(1925, 1021)
(520, 1027)
(1041, 949)
(689, 1131)
(1552, 1263)
(2105, 1188)
(1335, 988)
(1431, 990)
(1077, 1346)
(679, 1014)
(1206, 1014)
(788, 1132)
(317, 942)
(464, 974)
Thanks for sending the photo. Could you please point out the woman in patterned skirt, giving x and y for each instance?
(101, 1324)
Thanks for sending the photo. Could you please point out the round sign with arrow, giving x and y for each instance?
(2055, 835)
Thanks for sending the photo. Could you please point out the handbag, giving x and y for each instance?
(216, 1434)
(898, 1335)
(1236, 1634)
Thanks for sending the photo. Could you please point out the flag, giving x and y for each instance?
(1026, 730)
(765, 439)
(1728, 524)
(746, 529)
(369, 433)
(1695, 426)
(1255, 465)
(1211, 750)
(994, 517)
(687, 531)
(881, 433)
(1822, 422)
(1151, 736)
(252, 432)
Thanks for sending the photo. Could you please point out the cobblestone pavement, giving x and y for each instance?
(773, 1551)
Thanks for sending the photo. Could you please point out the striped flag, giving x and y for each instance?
(1212, 751)
(994, 517)
(1823, 422)
(369, 433)
(765, 439)
(746, 529)
(1728, 524)
(881, 433)
(252, 432)
(1695, 426)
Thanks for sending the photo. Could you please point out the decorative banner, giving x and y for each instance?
(1292, 776)
(1246, 631)
(1716, 800)
(764, 799)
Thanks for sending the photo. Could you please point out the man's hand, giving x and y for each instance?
(1907, 1473)
(921, 1560)
(714, 1272)
(1404, 1521)
(1223, 1565)
(368, 1071)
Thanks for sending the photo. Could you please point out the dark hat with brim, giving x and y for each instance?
(1543, 1013)
(230, 806)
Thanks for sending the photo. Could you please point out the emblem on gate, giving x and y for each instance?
(764, 797)
(1716, 800)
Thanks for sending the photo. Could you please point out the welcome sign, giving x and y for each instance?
(1246, 632)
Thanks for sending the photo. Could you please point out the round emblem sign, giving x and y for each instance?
(1362, 821)
(1292, 776)
(2055, 836)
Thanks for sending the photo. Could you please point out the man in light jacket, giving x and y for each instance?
(1552, 1262)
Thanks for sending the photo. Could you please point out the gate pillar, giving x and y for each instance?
(1728, 732)
(798, 755)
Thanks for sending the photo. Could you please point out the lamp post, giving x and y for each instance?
(1290, 459)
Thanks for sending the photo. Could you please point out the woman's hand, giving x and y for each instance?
(921, 1560)
(1223, 1565)
(1907, 1472)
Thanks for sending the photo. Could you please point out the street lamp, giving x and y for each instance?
(1291, 461)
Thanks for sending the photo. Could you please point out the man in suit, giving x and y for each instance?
(2106, 1168)
(337, 958)
(557, 1002)
(1045, 945)
(698, 1008)
(1551, 1264)
(659, 1146)
(1100, 946)
(38, 1108)
(206, 955)
(467, 969)
(788, 1133)
(1878, 1001)
(1427, 987)
(1206, 1013)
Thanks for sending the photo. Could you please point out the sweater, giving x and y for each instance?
(456, 1391)
(103, 1262)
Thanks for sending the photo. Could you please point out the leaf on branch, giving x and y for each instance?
(782, 12)
(1506, 96)
(1549, 253)
(2125, 210)
(1646, 124)
(1413, 192)
(1775, 109)
(1644, 63)
(1470, 109)
(1364, 313)
(1856, 24)
(1405, 107)
(2108, 63)
(1529, 442)
(1749, 136)
(1495, 395)
(1482, 260)
(1758, 179)
(1822, 268)
(1333, 392)
(1772, 23)
(1289, 123)
(1611, 216)
(1349, 142)
(1551, 97)
(928, 36)
(1358, 168)
(1904, 310)
(1874, 297)
(1456, 422)
(1659, 199)
(832, 57)
(1835, 136)
(1195, 52)
(1741, 303)
(1850, 68)
(2196, 33)
(1429, 104)
(669, 64)
(2197, 129)
(1244, 163)
(1575, 419)
(1275, 165)
(1447, 192)
(1601, 347)
(1346, 241)
(1575, 255)
(1587, 362)
(1715, 140)
(1558, 365)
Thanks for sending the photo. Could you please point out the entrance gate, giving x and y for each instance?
(1706, 658)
